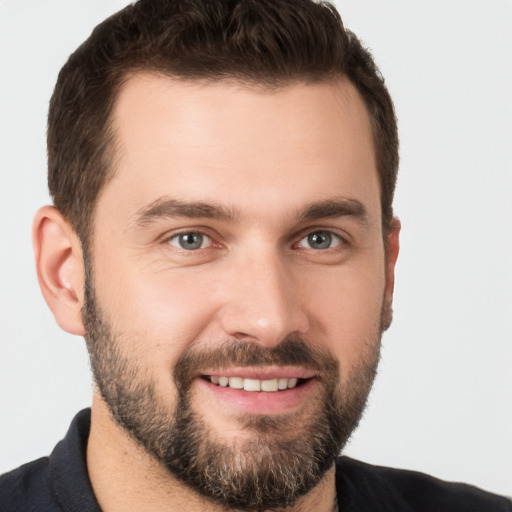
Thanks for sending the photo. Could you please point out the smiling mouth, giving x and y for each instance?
(255, 385)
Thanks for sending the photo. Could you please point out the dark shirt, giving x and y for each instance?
(60, 483)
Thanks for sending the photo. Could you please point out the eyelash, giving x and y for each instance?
(333, 237)
(189, 233)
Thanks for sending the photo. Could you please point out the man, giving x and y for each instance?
(223, 237)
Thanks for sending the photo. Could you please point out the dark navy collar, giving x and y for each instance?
(68, 468)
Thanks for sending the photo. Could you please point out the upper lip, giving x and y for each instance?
(262, 372)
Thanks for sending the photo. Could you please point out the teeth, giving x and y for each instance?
(252, 385)
(269, 386)
(236, 382)
(292, 383)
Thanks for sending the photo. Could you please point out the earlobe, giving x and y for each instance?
(392, 249)
(59, 265)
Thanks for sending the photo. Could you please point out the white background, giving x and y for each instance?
(442, 403)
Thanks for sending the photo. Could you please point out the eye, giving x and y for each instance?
(320, 240)
(190, 241)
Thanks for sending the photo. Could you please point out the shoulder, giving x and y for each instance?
(404, 490)
(27, 488)
(55, 483)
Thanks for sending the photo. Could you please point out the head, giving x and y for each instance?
(223, 175)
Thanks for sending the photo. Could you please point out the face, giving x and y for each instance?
(237, 281)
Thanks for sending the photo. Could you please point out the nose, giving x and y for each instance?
(262, 301)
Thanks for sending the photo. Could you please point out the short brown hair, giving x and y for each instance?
(266, 42)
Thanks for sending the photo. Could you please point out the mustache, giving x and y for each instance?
(236, 353)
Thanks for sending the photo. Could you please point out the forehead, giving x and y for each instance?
(225, 141)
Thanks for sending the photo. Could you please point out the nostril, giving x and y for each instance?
(241, 336)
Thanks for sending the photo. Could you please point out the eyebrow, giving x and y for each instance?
(165, 207)
(172, 208)
(334, 208)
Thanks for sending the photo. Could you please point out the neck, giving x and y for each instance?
(125, 477)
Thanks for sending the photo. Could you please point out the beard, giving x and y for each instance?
(284, 457)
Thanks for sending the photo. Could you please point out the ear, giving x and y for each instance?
(392, 249)
(59, 265)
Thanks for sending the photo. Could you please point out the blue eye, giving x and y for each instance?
(320, 240)
(190, 241)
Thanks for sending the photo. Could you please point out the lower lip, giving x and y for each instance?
(261, 402)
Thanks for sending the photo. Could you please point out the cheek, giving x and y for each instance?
(347, 309)
(162, 313)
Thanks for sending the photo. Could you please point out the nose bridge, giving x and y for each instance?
(263, 303)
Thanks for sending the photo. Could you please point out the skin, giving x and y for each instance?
(266, 157)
